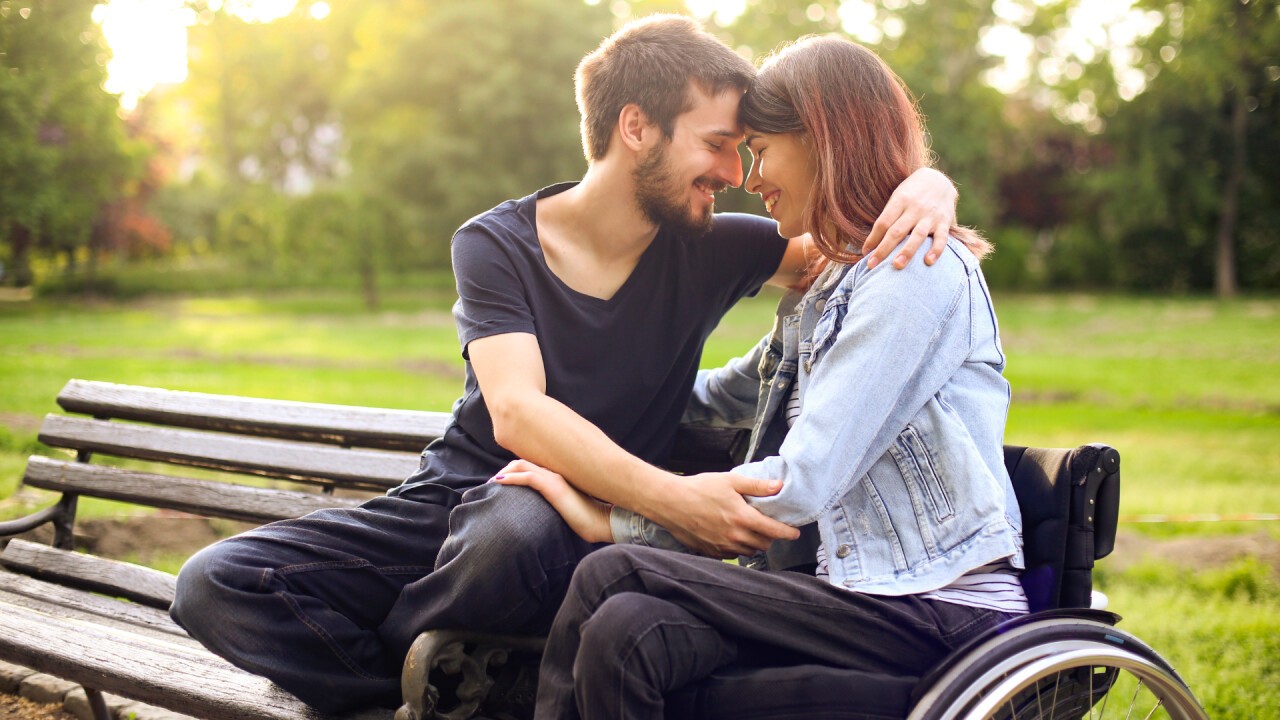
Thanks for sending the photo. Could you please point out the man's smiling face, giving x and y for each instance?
(677, 181)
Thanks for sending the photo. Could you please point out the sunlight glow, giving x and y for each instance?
(148, 40)
(260, 10)
(724, 12)
(1095, 29)
(858, 18)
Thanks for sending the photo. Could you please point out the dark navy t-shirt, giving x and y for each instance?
(625, 364)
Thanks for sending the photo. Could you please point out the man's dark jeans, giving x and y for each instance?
(327, 605)
(639, 623)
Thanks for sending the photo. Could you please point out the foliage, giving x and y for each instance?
(64, 152)
(264, 91)
(416, 116)
(454, 107)
(1172, 182)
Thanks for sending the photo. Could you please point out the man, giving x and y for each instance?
(582, 312)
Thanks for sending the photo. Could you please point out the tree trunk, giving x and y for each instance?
(20, 274)
(1225, 260)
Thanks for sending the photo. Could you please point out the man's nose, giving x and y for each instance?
(731, 170)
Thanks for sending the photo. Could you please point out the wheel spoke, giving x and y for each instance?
(1159, 702)
(1053, 707)
(1133, 702)
(1102, 712)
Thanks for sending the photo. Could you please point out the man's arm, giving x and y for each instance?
(709, 515)
(923, 206)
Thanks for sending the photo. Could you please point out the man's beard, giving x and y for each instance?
(660, 196)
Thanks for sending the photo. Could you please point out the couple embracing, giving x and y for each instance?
(876, 405)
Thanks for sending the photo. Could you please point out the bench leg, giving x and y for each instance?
(97, 704)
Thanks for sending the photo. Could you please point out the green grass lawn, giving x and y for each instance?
(1185, 388)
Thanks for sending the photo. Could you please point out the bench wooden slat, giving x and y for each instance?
(287, 459)
(110, 577)
(46, 597)
(346, 425)
(202, 497)
(180, 678)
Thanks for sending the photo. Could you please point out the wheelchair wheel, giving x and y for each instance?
(1058, 669)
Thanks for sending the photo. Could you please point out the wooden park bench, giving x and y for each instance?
(104, 623)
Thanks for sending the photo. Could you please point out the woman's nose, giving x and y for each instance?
(753, 179)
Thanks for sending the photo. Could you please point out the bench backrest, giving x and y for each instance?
(1069, 497)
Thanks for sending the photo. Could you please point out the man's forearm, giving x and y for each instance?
(708, 514)
(548, 433)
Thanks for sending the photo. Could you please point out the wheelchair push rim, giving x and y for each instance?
(1062, 670)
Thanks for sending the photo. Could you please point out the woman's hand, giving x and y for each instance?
(588, 517)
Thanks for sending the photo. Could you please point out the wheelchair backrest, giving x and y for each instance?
(1070, 500)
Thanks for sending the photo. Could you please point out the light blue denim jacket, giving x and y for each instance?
(897, 453)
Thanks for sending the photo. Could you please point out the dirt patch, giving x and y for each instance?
(21, 423)
(1195, 553)
(13, 707)
(145, 539)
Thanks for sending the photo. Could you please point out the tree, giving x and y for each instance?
(264, 93)
(453, 106)
(63, 149)
(1174, 183)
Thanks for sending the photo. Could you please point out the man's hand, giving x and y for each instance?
(923, 205)
(709, 515)
(588, 517)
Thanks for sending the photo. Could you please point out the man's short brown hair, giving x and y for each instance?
(651, 62)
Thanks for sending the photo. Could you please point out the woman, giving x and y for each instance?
(879, 403)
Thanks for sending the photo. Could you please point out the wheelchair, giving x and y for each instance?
(1066, 659)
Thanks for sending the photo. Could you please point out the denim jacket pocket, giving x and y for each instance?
(918, 466)
(827, 328)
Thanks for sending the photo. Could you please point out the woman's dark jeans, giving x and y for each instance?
(639, 623)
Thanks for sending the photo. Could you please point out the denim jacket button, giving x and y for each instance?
(820, 305)
(843, 551)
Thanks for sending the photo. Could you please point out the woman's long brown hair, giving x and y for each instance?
(863, 126)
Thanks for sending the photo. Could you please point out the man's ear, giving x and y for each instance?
(634, 128)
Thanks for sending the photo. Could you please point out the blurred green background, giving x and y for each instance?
(256, 197)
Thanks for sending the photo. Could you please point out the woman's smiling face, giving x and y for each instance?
(784, 171)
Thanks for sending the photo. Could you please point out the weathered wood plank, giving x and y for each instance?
(201, 497)
(81, 604)
(89, 572)
(345, 425)
(170, 675)
(287, 459)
